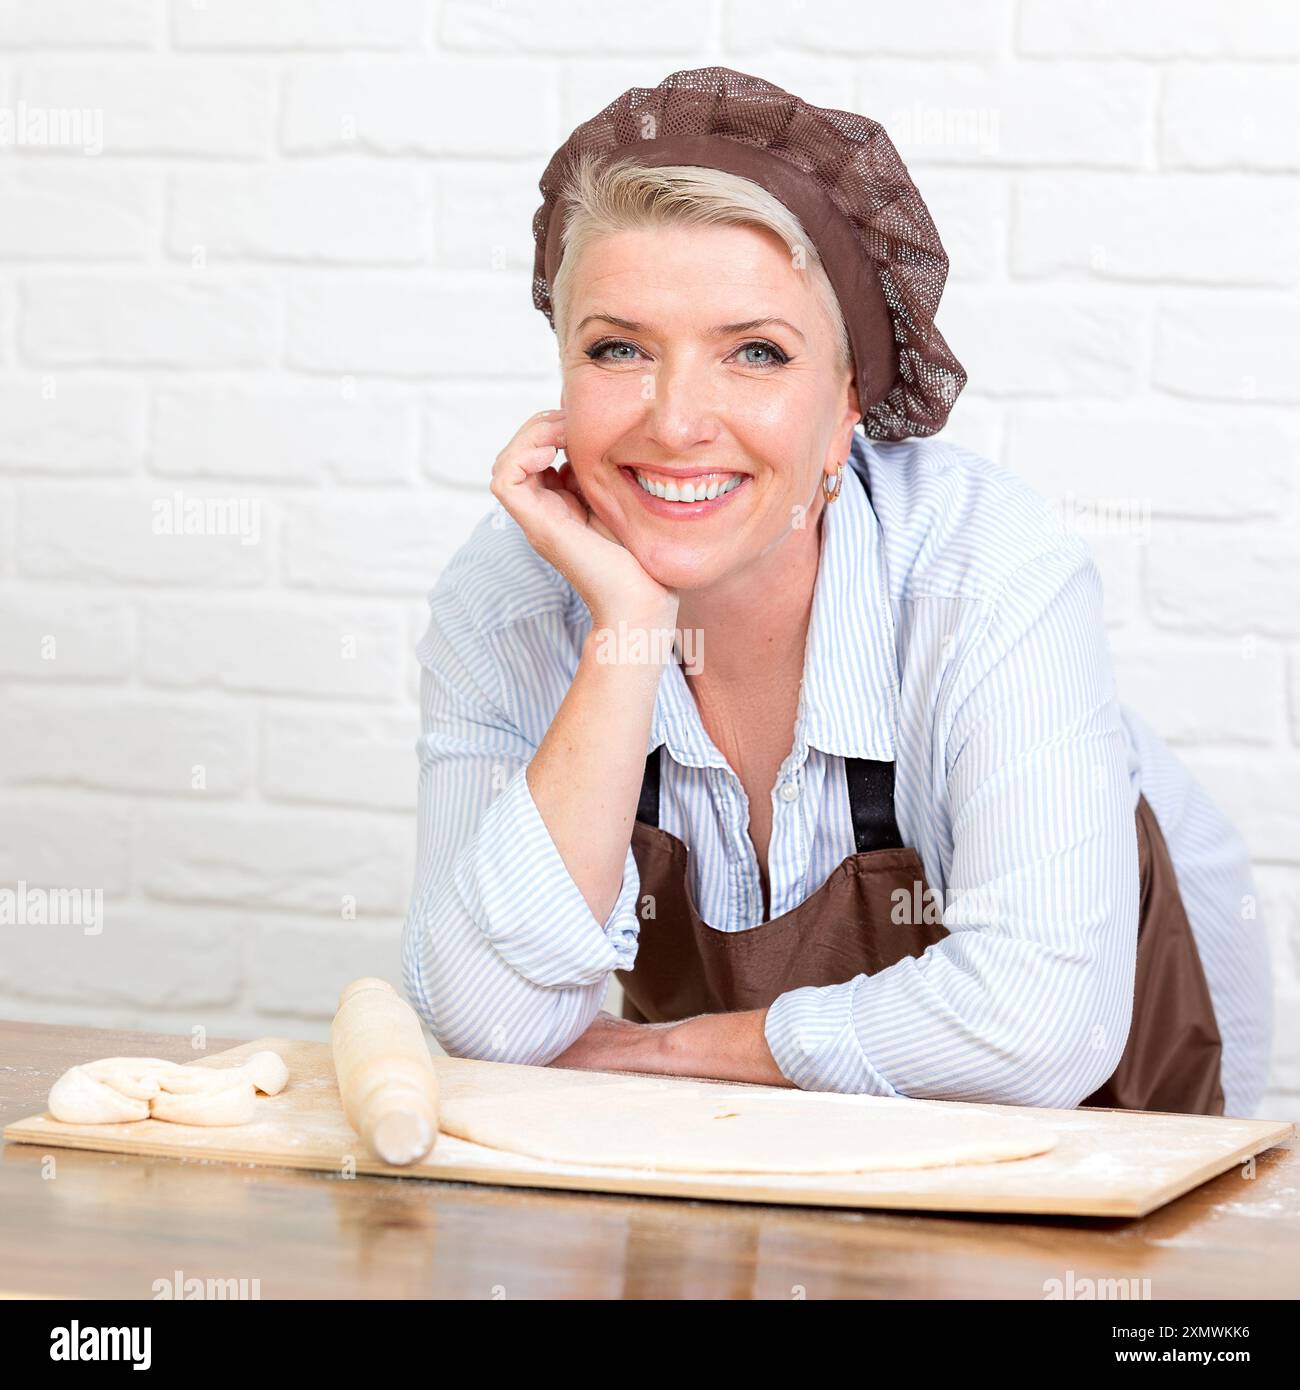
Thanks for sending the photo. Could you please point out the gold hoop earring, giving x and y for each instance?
(832, 493)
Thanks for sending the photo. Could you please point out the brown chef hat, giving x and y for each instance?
(840, 174)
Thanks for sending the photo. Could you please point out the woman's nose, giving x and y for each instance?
(682, 408)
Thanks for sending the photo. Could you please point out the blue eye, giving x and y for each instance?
(597, 352)
(779, 359)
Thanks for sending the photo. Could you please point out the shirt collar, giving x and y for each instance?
(849, 697)
(850, 694)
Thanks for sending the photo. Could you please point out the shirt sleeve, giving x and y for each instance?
(501, 954)
(1028, 1000)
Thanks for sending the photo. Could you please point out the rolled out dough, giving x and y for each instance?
(726, 1129)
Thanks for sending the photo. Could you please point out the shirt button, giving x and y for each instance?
(789, 791)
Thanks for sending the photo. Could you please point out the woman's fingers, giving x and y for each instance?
(520, 474)
(534, 447)
(550, 480)
(543, 430)
(548, 504)
(570, 480)
(599, 527)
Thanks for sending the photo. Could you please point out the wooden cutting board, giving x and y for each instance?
(1106, 1162)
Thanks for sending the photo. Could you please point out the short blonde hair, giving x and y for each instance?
(626, 196)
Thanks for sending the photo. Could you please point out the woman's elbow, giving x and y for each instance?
(426, 978)
(1061, 1070)
(458, 1035)
(472, 1009)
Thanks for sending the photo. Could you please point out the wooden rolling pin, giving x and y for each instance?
(385, 1074)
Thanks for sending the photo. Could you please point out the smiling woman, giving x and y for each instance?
(709, 452)
(667, 391)
(900, 693)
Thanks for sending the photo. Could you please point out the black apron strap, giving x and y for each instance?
(871, 799)
(648, 807)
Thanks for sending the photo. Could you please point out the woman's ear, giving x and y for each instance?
(849, 421)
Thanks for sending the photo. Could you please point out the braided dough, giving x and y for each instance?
(118, 1089)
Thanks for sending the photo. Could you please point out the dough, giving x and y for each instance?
(129, 1076)
(117, 1089)
(232, 1106)
(726, 1129)
(266, 1071)
(78, 1098)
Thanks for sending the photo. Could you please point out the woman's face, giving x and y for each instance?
(699, 358)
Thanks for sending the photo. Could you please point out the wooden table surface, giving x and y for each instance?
(76, 1223)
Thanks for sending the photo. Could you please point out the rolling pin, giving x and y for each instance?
(385, 1073)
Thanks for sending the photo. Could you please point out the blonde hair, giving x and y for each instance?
(626, 196)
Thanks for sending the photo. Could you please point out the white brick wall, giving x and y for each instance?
(279, 274)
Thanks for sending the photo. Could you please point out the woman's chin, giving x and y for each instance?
(682, 567)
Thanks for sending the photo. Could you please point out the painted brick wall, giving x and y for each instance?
(268, 261)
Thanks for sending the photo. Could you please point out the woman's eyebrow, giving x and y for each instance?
(721, 331)
(724, 329)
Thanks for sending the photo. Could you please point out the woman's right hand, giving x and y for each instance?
(553, 514)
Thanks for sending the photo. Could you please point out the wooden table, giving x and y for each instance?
(102, 1225)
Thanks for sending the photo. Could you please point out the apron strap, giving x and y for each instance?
(648, 807)
(871, 800)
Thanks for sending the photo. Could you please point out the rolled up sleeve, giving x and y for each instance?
(502, 956)
(1029, 998)
(812, 1036)
(514, 884)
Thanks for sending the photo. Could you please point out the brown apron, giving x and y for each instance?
(685, 967)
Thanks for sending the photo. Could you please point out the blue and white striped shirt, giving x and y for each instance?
(957, 630)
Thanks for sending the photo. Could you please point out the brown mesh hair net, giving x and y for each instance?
(840, 174)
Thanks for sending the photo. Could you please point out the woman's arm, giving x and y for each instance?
(586, 774)
(1028, 1000)
(526, 886)
(502, 954)
(585, 777)
(726, 1047)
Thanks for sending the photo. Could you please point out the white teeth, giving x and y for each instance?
(705, 487)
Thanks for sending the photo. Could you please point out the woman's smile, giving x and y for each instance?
(697, 415)
(683, 497)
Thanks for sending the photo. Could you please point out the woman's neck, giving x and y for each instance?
(756, 622)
